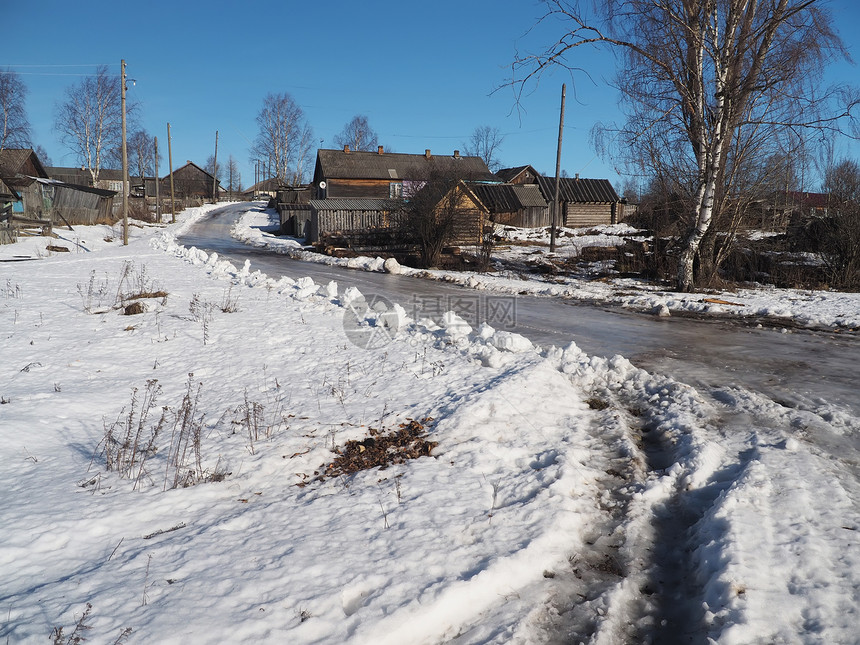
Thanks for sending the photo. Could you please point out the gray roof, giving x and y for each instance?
(13, 160)
(84, 189)
(338, 164)
(507, 198)
(577, 190)
(348, 204)
(508, 174)
(82, 176)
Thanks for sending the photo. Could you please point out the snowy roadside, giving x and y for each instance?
(532, 521)
(818, 309)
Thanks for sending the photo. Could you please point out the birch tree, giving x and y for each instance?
(141, 153)
(89, 120)
(282, 130)
(14, 128)
(705, 82)
(358, 135)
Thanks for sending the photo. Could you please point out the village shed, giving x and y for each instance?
(583, 202)
(351, 222)
(79, 205)
(514, 205)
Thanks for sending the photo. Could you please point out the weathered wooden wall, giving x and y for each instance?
(80, 207)
(579, 215)
(531, 217)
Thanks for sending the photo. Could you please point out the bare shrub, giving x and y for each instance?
(134, 439)
(262, 421)
(130, 440)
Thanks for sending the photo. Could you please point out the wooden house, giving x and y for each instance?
(265, 189)
(191, 182)
(520, 205)
(346, 174)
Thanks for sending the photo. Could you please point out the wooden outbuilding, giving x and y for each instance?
(582, 202)
(72, 204)
(355, 223)
(520, 205)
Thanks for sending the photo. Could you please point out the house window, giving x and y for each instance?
(395, 189)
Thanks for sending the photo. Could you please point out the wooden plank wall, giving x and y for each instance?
(579, 215)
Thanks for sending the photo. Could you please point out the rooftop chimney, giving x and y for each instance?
(427, 153)
(346, 149)
(456, 154)
(379, 150)
(576, 176)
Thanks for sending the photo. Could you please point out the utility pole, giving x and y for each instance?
(215, 172)
(170, 165)
(557, 172)
(124, 164)
(157, 182)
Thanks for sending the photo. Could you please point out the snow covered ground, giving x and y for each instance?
(563, 494)
(802, 307)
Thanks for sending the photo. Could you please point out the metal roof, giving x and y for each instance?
(338, 164)
(349, 204)
(507, 198)
(577, 190)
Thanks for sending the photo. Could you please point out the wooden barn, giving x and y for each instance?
(514, 204)
(343, 174)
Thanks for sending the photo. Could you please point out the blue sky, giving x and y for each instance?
(422, 72)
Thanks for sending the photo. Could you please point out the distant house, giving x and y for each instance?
(518, 175)
(345, 174)
(191, 182)
(265, 189)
